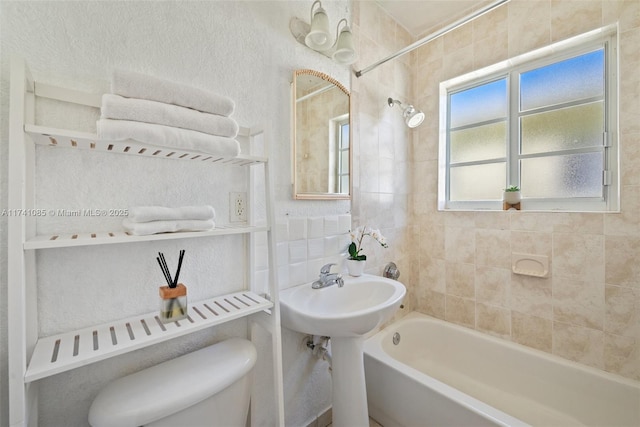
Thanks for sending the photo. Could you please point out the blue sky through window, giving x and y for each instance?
(575, 78)
(569, 80)
(479, 104)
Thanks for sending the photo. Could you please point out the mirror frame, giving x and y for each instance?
(294, 172)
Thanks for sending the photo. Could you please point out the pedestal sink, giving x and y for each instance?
(345, 314)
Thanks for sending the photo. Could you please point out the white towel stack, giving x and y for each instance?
(168, 114)
(145, 220)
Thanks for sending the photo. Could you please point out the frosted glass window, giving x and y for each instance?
(568, 176)
(572, 79)
(544, 121)
(477, 182)
(479, 104)
(479, 143)
(563, 129)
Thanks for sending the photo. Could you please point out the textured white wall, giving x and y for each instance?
(241, 49)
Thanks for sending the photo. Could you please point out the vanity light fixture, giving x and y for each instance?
(317, 36)
(412, 116)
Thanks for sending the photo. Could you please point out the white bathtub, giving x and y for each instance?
(441, 374)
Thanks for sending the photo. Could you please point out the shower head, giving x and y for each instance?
(412, 116)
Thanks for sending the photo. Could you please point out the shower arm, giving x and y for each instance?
(433, 36)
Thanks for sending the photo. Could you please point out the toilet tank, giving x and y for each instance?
(175, 385)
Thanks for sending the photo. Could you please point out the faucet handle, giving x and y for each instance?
(326, 269)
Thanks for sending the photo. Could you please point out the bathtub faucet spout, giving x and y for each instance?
(327, 278)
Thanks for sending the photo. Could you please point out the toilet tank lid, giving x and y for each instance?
(171, 386)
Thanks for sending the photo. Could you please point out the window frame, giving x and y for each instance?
(511, 69)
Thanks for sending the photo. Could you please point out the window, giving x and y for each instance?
(545, 124)
(339, 155)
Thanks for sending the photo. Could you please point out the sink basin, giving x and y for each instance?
(344, 314)
(362, 304)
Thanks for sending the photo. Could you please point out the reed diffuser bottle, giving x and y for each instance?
(173, 303)
(173, 296)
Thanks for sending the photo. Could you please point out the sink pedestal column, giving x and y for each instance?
(349, 397)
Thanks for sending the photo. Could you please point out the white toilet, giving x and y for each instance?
(209, 387)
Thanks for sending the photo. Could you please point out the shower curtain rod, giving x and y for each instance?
(433, 36)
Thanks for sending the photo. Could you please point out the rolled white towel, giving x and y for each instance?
(167, 137)
(137, 85)
(160, 213)
(155, 227)
(143, 110)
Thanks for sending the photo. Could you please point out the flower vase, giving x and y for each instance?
(355, 267)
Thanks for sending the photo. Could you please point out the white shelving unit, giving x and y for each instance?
(32, 357)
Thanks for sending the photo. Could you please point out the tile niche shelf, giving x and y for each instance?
(33, 357)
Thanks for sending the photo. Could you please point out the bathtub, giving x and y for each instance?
(441, 374)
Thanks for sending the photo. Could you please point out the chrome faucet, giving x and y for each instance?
(327, 278)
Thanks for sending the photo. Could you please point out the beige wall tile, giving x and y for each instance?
(532, 221)
(622, 311)
(621, 260)
(432, 303)
(457, 62)
(460, 279)
(627, 222)
(529, 25)
(578, 257)
(493, 220)
(493, 248)
(570, 18)
(493, 320)
(531, 331)
(622, 356)
(492, 49)
(578, 303)
(459, 38)
(531, 296)
(490, 23)
(630, 162)
(460, 244)
(534, 243)
(433, 274)
(579, 344)
(493, 286)
(460, 311)
(625, 12)
(571, 222)
(432, 238)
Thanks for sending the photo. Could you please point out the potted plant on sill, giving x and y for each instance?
(511, 197)
(357, 260)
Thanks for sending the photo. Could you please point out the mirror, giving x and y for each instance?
(321, 137)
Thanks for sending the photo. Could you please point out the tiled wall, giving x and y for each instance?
(382, 162)
(456, 265)
(588, 310)
(303, 246)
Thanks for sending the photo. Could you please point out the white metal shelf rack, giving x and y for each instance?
(31, 357)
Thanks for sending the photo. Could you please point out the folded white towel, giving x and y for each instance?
(143, 110)
(155, 227)
(161, 213)
(137, 85)
(167, 137)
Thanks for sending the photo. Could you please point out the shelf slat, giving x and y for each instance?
(48, 241)
(63, 352)
(53, 137)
